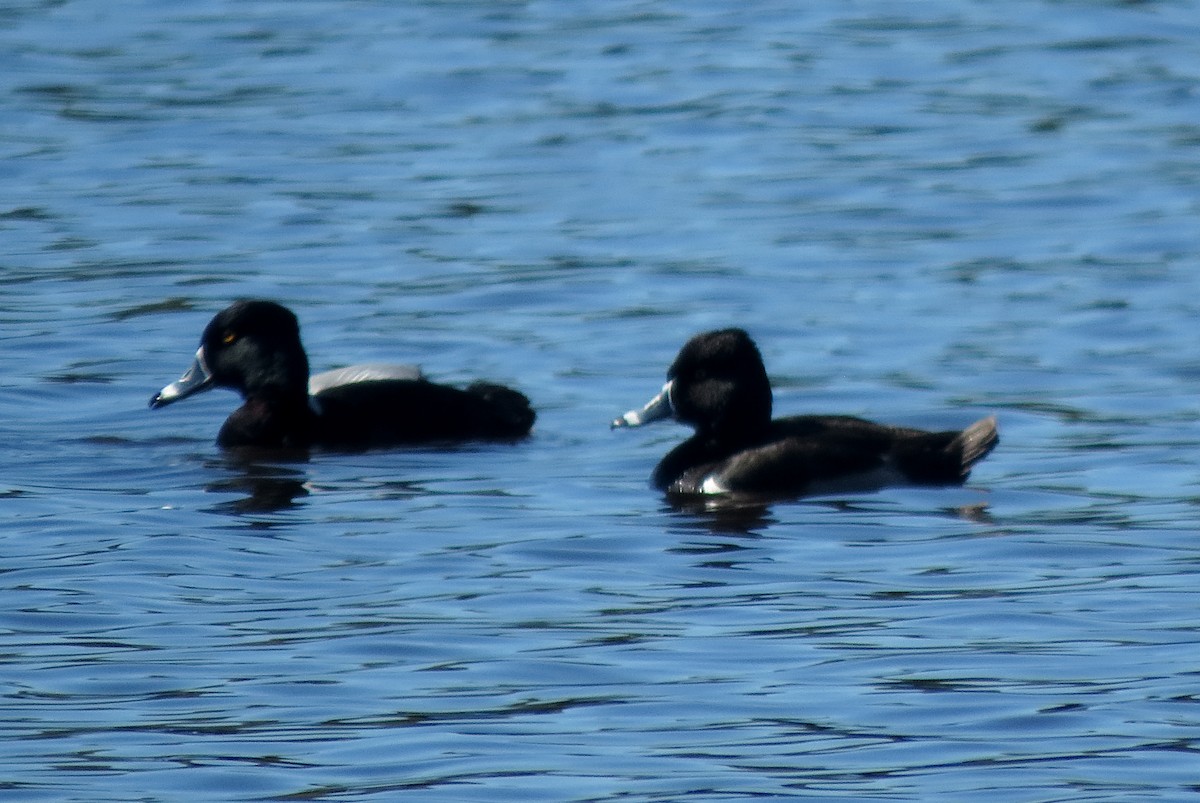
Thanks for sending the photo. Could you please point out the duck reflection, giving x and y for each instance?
(263, 487)
(724, 514)
(751, 514)
(263, 483)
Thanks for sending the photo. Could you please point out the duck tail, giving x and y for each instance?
(974, 443)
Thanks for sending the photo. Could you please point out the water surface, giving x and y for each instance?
(923, 214)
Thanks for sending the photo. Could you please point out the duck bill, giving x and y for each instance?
(656, 409)
(194, 380)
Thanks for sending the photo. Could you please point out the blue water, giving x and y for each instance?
(923, 212)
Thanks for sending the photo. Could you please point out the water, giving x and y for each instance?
(923, 213)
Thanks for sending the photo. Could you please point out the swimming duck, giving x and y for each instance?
(254, 347)
(719, 386)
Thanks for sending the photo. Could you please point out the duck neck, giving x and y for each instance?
(744, 419)
(735, 433)
(271, 421)
(290, 402)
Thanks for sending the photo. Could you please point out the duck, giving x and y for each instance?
(718, 385)
(253, 347)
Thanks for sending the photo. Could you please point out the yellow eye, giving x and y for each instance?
(229, 338)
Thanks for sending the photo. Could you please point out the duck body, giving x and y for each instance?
(817, 454)
(254, 347)
(718, 384)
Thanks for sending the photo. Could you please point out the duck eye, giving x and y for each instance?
(229, 338)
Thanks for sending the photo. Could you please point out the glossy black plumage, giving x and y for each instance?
(718, 385)
(254, 347)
